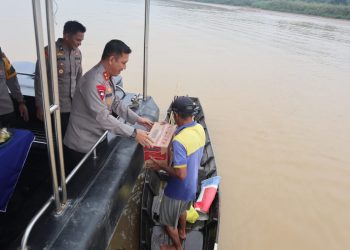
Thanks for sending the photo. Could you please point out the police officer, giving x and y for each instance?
(8, 80)
(94, 102)
(69, 70)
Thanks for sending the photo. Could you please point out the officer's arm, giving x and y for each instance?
(37, 82)
(99, 110)
(12, 81)
(15, 89)
(37, 87)
(80, 70)
(122, 109)
(38, 94)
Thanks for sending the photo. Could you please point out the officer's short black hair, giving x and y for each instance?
(115, 47)
(73, 27)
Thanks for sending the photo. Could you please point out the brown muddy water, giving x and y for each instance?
(275, 90)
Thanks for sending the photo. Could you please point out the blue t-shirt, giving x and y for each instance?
(188, 145)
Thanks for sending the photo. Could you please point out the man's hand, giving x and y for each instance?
(39, 113)
(23, 111)
(145, 122)
(143, 138)
(155, 166)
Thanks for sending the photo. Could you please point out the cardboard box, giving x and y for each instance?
(162, 135)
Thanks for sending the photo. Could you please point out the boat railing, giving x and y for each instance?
(145, 49)
(33, 222)
(52, 146)
(91, 151)
(59, 193)
(56, 145)
(70, 176)
(26, 74)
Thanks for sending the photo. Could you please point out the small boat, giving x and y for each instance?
(203, 234)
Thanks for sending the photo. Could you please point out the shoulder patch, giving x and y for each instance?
(101, 89)
(106, 75)
(9, 70)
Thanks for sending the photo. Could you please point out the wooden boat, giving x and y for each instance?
(203, 234)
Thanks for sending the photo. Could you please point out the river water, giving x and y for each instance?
(275, 89)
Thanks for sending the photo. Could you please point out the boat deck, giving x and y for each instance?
(97, 194)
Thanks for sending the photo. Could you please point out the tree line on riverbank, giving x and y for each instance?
(325, 8)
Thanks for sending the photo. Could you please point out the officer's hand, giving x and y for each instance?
(163, 122)
(39, 113)
(143, 138)
(145, 122)
(23, 111)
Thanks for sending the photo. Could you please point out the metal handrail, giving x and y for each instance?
(32, 223)
(53, 108)
(56, 99)
(82, 161)
(46, 101)
(70, 176)
(44, 86)
(48, 127)
(145, 48)
(25, 74)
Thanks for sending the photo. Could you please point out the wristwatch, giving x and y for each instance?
(134, 133)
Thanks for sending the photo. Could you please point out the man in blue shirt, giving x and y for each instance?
(188, 144)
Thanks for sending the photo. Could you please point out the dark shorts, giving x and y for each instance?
(170, 211)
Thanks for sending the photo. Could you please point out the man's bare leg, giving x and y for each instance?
(167, 247)
(174, 235)
(182, 228)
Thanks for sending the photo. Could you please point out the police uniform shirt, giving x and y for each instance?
(8, 80)
(69, 71)
(92, 108)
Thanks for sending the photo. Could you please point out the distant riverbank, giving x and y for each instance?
(333, 8)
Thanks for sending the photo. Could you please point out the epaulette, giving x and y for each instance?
(106, 75)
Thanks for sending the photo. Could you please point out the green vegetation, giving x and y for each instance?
(325, 8)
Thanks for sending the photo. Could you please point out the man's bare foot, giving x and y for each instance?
(167, 247)
(182, 234)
